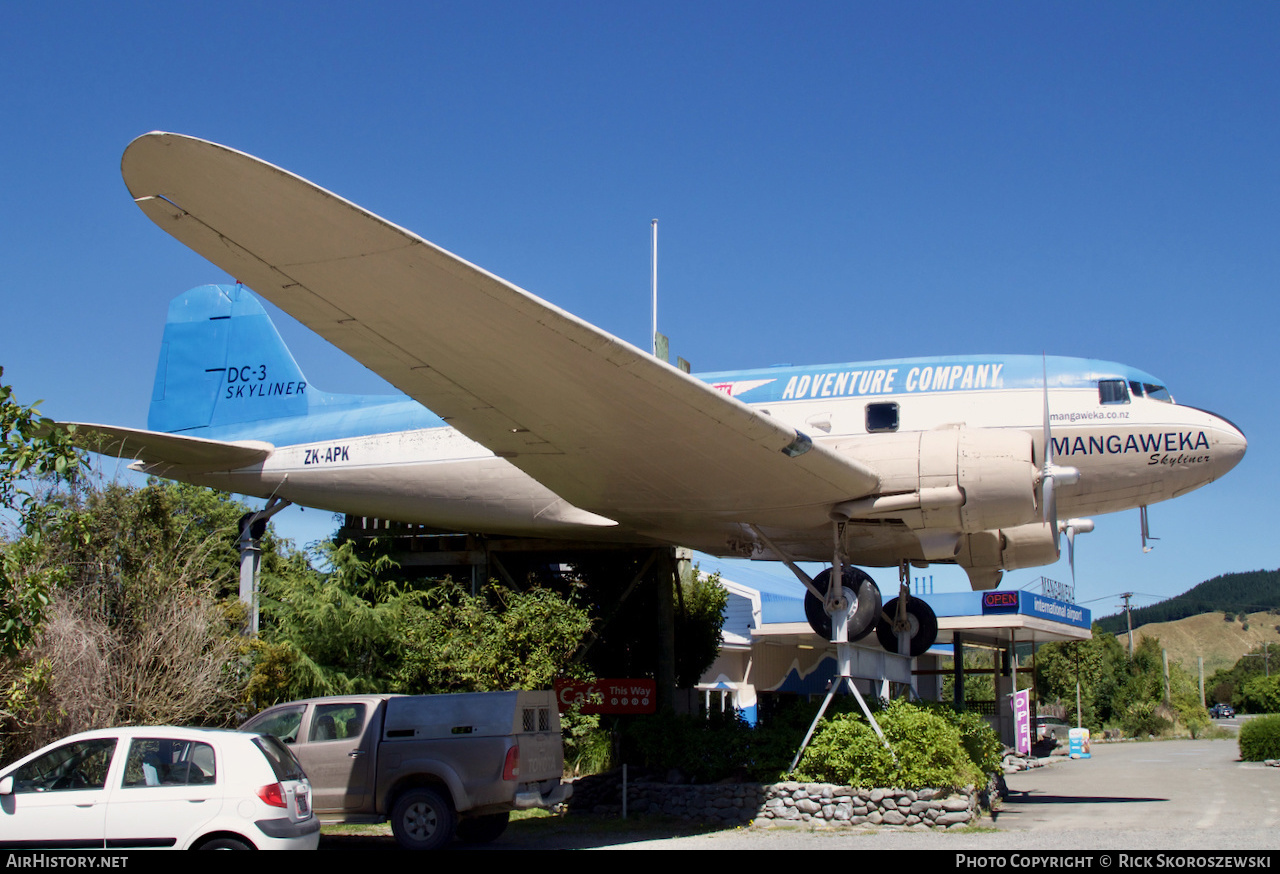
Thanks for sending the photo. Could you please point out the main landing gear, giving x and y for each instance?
(905, 625)
(908, 626)
(859, 590)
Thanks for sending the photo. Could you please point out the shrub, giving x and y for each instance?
(980, 741)
(1260, 739)
(846, 750)
(1144, 718)
(1195, 718)
(928, 751)
(588, 746)
(702, 748)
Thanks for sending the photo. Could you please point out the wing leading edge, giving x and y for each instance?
(603, 424)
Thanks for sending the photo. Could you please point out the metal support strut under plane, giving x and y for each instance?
(252, 527)
(844, 614)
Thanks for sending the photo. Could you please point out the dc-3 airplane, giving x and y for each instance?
(519, 418)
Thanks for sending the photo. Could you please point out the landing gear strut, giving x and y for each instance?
(252, 527)
(840, 617)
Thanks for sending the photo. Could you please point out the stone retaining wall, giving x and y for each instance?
(778, 803)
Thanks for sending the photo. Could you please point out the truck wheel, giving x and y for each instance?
(422, 819)
(482, 829)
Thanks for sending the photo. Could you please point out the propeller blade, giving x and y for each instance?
(1049, 493)
(1052, 475)
(1048, 433)
(1071, 552)
(1074, 527)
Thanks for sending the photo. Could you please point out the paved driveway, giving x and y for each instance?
(1160, 795)
(1174, 794)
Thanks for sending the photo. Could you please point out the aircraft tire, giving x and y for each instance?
(924, 626)
(858, 586)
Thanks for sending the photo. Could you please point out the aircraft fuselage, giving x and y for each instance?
(1132, 445)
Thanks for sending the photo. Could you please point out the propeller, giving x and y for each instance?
(1073, 527)
(1053, 475)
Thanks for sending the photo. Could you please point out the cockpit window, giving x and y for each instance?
(1158, 393)
(1113, 391)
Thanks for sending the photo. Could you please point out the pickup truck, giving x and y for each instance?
(436, 766)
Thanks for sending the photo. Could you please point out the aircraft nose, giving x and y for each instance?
(1229, 446)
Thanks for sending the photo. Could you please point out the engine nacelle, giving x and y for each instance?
(985, 554)
(956, 479)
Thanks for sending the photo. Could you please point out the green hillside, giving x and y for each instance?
(1210, 637)
(1249, 592)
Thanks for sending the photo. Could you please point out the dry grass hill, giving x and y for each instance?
(1219, 642)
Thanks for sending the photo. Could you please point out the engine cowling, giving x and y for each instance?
(985, 554)
(953, 479)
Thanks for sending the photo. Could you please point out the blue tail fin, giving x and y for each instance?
(222, 362)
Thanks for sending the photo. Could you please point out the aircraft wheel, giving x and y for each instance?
(921, 619)
(859, 588)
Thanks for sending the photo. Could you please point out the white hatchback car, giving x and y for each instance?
(158, 786)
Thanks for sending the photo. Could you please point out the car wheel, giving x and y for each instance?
(225, 844)
(422, 819)
(482, 829)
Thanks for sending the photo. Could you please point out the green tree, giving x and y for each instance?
(136, 631)
(497, 639)
(1140, 702)
(701, 601)
(1261, 694)
(334, 631)
(33, 450)
(1098, 663)
(1228, 684)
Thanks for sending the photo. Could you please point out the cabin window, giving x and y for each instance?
(882, 417)
(1113, 391)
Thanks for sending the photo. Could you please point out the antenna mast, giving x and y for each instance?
(654, 223)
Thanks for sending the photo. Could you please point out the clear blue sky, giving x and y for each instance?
(834, 181)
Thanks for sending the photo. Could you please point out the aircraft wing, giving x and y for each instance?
(606, 426)
(157, 450)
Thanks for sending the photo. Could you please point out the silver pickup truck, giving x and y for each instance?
(434, 765)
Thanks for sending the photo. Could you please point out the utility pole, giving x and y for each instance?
(1164, 663)
(1265, 655)
(1128, 618)
(1200, 665)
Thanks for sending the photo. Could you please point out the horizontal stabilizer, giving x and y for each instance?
(157, 450)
